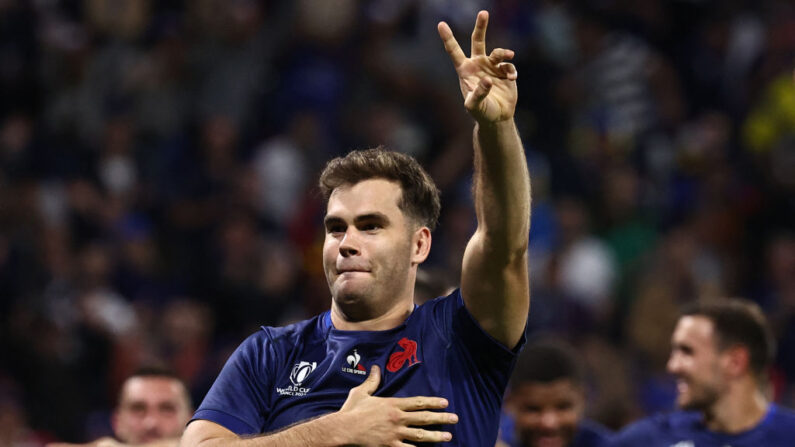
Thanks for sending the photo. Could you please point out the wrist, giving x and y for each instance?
(336, 428)
(487, 128)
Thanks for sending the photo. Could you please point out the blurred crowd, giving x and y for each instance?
(158, 161)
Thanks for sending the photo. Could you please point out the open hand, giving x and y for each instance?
(388, 421)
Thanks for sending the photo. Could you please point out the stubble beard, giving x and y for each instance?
(370, 300)
(702, 397)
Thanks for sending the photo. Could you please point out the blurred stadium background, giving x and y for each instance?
(158, 162)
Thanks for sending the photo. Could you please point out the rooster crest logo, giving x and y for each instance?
(354, 367)
(353, 359)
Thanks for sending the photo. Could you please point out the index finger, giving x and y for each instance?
(479, 34)
(451, 45)
(420, 403)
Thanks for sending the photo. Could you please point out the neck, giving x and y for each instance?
(739, 410)
(390, 319)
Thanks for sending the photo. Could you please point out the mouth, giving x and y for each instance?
(342, 271)
(682, 386)
(549, 441)
(343, 274)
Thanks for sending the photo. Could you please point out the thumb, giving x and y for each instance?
(475, 97)
(371, 383)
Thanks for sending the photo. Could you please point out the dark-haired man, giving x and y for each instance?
(153, 408)
(307, 384)
(721, 351)
(546, 400)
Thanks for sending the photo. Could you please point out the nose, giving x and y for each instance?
(349, 246)
(550, 419)
(673, 363)
(150, 420)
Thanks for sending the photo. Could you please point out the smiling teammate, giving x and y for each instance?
(721, 351)
(546, 399)
(308, 383)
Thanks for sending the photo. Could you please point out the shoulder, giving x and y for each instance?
(440, 308)
(782, 413)
(269, 340)
(451, 299)
(592, 434)
(782, 417)
(653, 427)
(291, 333)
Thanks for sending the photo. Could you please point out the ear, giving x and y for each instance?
(737, 360)
(420, 245)
(114, 421)
(509, 403)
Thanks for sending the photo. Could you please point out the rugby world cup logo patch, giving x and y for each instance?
(301, 371)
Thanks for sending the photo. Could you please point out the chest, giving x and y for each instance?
(314, 380)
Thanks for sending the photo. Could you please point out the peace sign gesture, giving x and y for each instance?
(488, 83)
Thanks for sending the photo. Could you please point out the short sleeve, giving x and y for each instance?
(471, 343)
(237, 399)
(465, 329)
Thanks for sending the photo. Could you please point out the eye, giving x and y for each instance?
(137, 408)
(335, 228)
(562, 406)
(370, 226)
(168, 408)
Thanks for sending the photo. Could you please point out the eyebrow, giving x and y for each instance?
(374, 216)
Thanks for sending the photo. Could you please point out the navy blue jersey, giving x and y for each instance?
(686, 429)
(588, 434)
(280, 376)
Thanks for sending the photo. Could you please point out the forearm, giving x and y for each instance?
(324, 431)
(501, 187)
(160, 443)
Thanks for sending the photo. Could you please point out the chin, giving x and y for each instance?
(548, 441)
(349, 298)
(691, 405)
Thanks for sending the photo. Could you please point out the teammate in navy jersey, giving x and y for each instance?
(152, 409)
(720, 355)
(546, 400)
(437, 372)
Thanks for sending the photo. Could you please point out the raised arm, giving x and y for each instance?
(363, 420)
(494, 278)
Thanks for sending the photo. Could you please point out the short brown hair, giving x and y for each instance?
(420, 196)
(738, 322)
(157, 371)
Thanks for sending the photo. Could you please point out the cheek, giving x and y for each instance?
(568, 419)
(330, 250)
(527, 420)
(168, 421)
(128, 422)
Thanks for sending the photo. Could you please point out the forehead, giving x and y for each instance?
(547, 391)
(694, 330)
(151, 389)
(364, 197)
